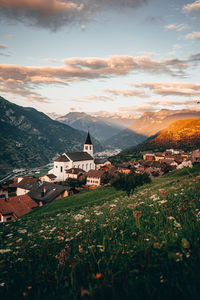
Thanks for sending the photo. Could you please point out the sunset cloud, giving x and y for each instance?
(172, 88)
(177, 27)
(53, 14)
(192, 7)
(193, 36)
(78, 69)
(2, 46)
(127, 93)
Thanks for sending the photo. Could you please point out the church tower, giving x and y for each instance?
(88, 147)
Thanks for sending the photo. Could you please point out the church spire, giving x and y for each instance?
(88, 139)
(88, 147)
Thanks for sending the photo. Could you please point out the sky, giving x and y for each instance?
(100, 56)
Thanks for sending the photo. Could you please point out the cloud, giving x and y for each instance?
(53, 14)
(2, 46)
(193, 36)
(177, 27)
(157, 104)
(172, 88)
(127, 93)
(89, 68)
(192, 7)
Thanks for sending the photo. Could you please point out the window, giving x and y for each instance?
(86, 147)
(90, 147)
(9, 219)
(61, 169)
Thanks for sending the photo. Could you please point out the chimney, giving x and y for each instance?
(43, 192)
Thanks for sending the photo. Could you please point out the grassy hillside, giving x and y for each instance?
(102, 244)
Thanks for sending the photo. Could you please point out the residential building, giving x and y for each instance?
(15, 207)
(94, 177)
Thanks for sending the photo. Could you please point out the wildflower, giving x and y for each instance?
(80, 249)
(162, 201)
(78, 217)
(98, 275)
(22, 230)
(170, 218)
(2, 284)
(84, 293)
(4, 251)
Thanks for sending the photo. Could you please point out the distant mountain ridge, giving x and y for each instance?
(182, 134)
(100, 127)
(150, 123)
(30, 138)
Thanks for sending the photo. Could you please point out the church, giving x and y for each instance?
(82, 160)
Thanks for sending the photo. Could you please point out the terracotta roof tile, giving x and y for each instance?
(18, 205)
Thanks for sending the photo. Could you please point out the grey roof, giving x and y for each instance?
(62, 158)
(88, 139)
(79, 156)
(52, 191)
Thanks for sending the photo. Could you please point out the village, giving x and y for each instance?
(77, 171)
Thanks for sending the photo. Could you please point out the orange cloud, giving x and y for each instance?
(76, 69)
(193, 36)
(53, 14)
(192, 7)
(127, 93)
(172, 88)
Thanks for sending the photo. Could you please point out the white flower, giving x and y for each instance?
(22, 230)
(78, 217)
(4, 251)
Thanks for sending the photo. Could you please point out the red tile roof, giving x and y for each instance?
(95, 173)
(18, 205)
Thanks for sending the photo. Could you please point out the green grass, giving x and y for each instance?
(102, 244)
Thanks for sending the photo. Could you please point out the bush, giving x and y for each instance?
(129, 182)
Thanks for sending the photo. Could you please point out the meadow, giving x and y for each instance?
(102, 244)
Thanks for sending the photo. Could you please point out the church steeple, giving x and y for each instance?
(88, 147)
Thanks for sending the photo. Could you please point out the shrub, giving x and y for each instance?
(129, 182)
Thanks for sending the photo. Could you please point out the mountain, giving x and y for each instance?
(152, 122)
(30, 138)
(147, 125)
(100, 127)
(125, 139)
(182, 134)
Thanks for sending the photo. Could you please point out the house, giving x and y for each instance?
(159, 156)
(15, 207)
(74, 173)
(196, 155)
(101, 162)
(149, 156)
(25, 185)
(94, 177)
(48, 192)
(82, 160)
(48, 178)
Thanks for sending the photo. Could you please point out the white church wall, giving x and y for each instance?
(85, 165)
